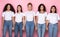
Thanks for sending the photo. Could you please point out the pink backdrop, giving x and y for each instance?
(35, 3)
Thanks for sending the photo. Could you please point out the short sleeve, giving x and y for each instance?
(15, 14)
(45, 14)
(3, 14)
(34, 13)
(47, 18)
(58, 17)
(12, 14)
(23, 14)
(37, 13)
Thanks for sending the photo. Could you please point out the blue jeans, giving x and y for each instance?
(7, 26)
(29, 28)
(53, 28)
(18, 27)
(41, 30)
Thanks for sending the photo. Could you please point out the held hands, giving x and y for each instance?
(36, 28)
(46, 27)
(23, 28)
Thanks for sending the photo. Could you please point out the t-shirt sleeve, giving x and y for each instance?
(37, 13)
(45, 14)
(47, 18)
(34, 13)
(13, 14)
(23, 14)
(58, 17)
(3, 14)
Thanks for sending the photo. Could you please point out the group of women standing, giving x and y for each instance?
(29, 19)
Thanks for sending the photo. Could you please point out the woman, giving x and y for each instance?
(41, 20)
(29, 17)
(19, 21)
(8, 19)
(52, 19)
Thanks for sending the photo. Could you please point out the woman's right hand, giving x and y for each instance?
(36, 28)
(23, 28)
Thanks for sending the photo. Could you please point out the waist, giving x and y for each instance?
(53, 22)
(18, 21)
(29, 21)
(41, 22)
(8, 20)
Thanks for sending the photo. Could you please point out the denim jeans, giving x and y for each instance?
(7, 26)
(41, 30)
(18, 28)
(29, 28)
(53, 28)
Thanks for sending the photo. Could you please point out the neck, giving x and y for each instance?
(8, 10)
(42, 11)
(30, 10)
(53, 12)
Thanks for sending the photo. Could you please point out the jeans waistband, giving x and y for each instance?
(8, 20)
(51, 23)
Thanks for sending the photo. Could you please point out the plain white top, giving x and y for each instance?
(41, 17)
(29, 15)
(8, 15)
(18, 17)
(53, 18)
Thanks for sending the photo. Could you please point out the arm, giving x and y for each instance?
(47, 22)
(35, 21)
(24, 22)
(2, 22)
(13, 22)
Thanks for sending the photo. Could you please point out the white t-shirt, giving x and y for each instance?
(8, 15)
(18, 17)
(29, 15)
(53, 18)
(41, 17)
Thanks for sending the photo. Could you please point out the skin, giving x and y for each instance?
(2, 22)
(19, 9)
(53, 10)
(41, 8)
(8, 8)
(29, 8)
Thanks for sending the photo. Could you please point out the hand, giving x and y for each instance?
(2, 27)
(46, 28)
(23, 28)
(12, 28)
(36, 28)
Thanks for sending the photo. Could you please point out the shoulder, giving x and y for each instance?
(11, 11)
(4, 12)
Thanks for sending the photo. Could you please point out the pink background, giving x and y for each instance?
(48, 4)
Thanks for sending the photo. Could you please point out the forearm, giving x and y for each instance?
(35, 21)
(2, 22)
(13, 20)
(47, 23)
(24, 21)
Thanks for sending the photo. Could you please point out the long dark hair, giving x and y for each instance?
(40, 6)
(55, 9)
(19, 6)
(11, 7)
